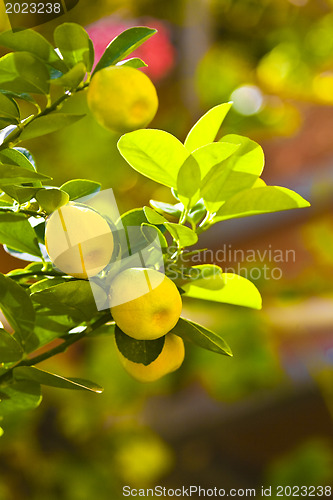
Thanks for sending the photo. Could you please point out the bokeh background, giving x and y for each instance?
(265, 416)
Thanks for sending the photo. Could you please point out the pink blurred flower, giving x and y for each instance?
(158, 52)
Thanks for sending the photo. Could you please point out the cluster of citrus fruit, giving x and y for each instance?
(144, 303)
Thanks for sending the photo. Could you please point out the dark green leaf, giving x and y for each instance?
(51, 379)
(138, 351)
(18, 95)
(10, 350)
(121, 46)
(18, 156)
(154, 153)
(134, 62)
(17, 233)
(260, 200)
(182, 234)
(72, 78)
(78, 188)
(24, 73)
(74, 44)
(11, 174)
(19, 396)
(200, 336)
(206, 129)
(47, 124)
(9, 109)
(17, 307)
(31, 41)
(237, 290)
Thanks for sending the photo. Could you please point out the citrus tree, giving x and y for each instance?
(54, 297)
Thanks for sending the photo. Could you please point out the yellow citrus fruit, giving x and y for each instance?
(145, 303)
(122, 98)
(169, 360)
(79, 240)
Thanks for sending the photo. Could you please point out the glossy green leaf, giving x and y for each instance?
(153, 217)
(19, 396)
(11, 174)
(48, 124)
(206, 129)
(10, 350)
(24, 73)
(261, 200)
(200, 336)
(51, 379)
(17, 307)
(207, 276)
(240, 171)
(30, 41)
(138, 351)
(18, 156)
(154, 153)
(153, 233)
(9, 109)
(134, 217)
(237, 290)
(74, 298)
(74, 44)
(134, 62)
(125, 43)
(17, 233)
(167, 208)
(78, 188)
(182, 234)
(72, 78)
(18, 95)
(51, 199)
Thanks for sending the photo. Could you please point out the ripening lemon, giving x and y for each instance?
(78, 240)
(122, 98)
(144, 303)
(169, 360)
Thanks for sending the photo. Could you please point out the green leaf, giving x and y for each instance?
(151, 233)
(19, 193)
(206, 129)
(78, 188)
(207, 276)
(24, 73)
(213, 154)
(182, 234)
(153, 217)
(74, 298)
(200, 336)
(11, 174)
(51, 379)
(134, 62)
(74, 44)
(189, 180)
(18, 95)
(46, 283)
(238, 172)
(18, 156)
(51, 199)
(167, 208)
(9, 109)
(197, 212)
(72, 78)
(17, 307)
(121, 46)
(237, 290)
(154, 153)
(31, 41)
(134, 217)
(19, 396)
(17, 233)
(47, 124)
(138, 351)
(10, 350)
(261, 200)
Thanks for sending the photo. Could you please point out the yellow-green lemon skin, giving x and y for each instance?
(145, 303)
(122, 99)
(78, 240)
(169, 360)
